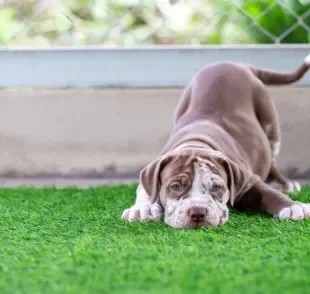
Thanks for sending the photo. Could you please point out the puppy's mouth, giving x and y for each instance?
(201, 225)
(196, 226)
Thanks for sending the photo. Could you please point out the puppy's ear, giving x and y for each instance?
(239, 179)
(231, 178)
(150, 176)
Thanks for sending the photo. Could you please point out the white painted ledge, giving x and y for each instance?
(135, 67)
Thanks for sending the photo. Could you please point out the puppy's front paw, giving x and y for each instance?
(297, 211)
(143, 212)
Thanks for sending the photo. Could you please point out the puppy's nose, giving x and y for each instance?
(197, 214)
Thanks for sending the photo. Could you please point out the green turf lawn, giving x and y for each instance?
(73, 241)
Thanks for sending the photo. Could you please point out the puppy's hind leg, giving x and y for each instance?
(268, 118)
(278, 181)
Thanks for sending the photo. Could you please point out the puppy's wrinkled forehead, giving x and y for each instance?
(183, 168)
(182, 164)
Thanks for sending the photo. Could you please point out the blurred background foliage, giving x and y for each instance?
(113, 23)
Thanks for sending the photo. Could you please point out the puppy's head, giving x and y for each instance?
(194, 187)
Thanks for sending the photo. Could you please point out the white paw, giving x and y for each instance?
(297, 211)
(292, 186)
(143, 212)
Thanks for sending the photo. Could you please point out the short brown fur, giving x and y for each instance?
(226, 115)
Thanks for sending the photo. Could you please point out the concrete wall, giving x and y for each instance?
(112, 133)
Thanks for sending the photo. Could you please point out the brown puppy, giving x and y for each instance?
(222, 149)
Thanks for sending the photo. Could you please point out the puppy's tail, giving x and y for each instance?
(270, 77)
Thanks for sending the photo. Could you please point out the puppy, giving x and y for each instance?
(222, 151)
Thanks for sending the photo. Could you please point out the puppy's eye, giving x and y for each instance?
(216, 187)
(176, 188)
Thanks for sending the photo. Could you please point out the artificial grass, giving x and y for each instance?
(73, 241)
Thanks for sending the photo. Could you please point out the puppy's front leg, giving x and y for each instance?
(263, 197)
(143, 209)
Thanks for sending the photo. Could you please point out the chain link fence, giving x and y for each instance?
(121, 23)
(63, 111)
